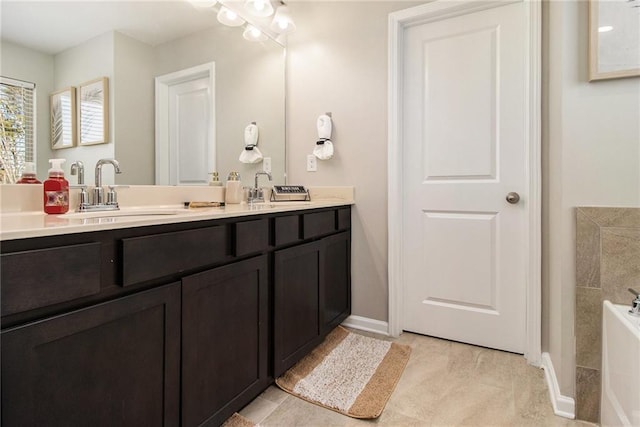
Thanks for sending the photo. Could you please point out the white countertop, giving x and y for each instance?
(27, 224)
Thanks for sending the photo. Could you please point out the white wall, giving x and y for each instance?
(88, 61)
(591, 158)
(337, 62)
(133, 103)
(21, 63)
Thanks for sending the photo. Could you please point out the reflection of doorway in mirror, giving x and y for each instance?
(185, 126)
(94, 108)
(63, 118)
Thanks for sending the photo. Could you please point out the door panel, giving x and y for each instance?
(189, 139)
(465, 144)
(116, 363)
(461, 88)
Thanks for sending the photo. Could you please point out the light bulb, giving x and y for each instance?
(605, 28)
(229, 17)
(253, 34)
(282, 22)
(260, 8)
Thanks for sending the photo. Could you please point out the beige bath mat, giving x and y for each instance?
(348, 373)
(237, 420)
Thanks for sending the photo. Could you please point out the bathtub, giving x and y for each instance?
(620, 401)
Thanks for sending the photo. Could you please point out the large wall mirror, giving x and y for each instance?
(59, 45)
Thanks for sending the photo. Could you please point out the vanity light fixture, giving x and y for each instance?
(282, 21)
(260, 8)
(229, 17)
(253, 34)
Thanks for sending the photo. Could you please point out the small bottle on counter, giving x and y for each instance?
(215, 181)
(29, 174)
(233, 191)
(56, 189)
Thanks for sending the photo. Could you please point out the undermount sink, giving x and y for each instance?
(135, 212)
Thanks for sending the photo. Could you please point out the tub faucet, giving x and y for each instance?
(256, 194)
(635, 304)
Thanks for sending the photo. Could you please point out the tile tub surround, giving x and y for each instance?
(607, 263)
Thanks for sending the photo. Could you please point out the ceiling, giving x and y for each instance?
(54, 26)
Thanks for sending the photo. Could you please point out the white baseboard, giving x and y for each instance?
(366, 324)
(563, 406)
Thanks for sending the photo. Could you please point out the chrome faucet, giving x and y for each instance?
(98, 192)
(98, 201)
(256, 194)
(635, 304)
(77, 168)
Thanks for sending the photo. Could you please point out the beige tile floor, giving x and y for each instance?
(445, 384)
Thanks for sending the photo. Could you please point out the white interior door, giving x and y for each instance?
(185, 127)
(465, 132)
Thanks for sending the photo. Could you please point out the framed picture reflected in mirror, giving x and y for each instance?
(63, 118)
(94, 112)
(614, 39)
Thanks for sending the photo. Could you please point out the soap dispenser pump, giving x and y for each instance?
(56, 189)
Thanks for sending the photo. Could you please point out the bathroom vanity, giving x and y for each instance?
(174, 323)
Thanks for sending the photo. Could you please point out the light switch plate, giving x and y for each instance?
(266, 164)
(312, 164)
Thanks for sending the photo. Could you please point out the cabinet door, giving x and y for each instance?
(224, 340)
(335, 289)
(116, 363)
(297, 276)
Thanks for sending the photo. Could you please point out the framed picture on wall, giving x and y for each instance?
(94, 112)
(614, 39)
(62, 114)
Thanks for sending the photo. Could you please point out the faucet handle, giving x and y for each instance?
(112, 196)
(84, 196)
(634, 292)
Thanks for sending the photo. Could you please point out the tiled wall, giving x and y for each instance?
(607, 263)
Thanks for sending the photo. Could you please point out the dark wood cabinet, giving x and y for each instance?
(335, 292)
(312, 295)
(224, 340)
(166, 325)
(116, 363)
(296, 319)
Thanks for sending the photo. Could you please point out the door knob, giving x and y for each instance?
(513, 197)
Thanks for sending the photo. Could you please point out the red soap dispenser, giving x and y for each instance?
(29, 174)
(56, 189)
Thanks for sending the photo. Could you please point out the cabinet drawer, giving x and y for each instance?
(155, 256)
(344, 219)
(251, 236)
(287, 229)
(318, 223)
(43, 277)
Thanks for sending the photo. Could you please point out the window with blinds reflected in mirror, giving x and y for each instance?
(16, 128)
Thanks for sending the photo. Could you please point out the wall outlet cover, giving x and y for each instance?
(312, 164)
(266, 164)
